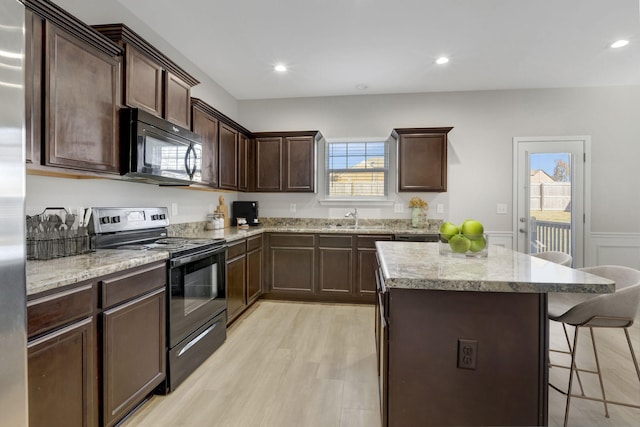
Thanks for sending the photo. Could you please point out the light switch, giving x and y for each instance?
(398, 208)
(501, 209)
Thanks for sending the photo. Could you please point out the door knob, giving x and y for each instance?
(522, 230)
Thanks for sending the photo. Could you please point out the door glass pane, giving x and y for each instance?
(550, 202)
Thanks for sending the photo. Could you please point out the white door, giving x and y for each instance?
(552, 195)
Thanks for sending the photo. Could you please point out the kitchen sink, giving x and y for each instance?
(359, 227)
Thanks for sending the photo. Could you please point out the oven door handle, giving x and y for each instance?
(196, 339)
(177, 262)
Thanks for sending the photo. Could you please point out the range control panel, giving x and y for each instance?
(112, 220)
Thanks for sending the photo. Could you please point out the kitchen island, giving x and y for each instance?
(464, 341)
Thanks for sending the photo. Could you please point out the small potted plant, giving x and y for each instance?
(418, 212)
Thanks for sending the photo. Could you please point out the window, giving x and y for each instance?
(357, 169)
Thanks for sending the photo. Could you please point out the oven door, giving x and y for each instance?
(198, 292)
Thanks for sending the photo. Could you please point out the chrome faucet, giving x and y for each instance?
(354, 214)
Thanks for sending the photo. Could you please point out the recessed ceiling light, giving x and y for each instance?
(361, 86)
(442, 60)
(281, 68)
(619, 43)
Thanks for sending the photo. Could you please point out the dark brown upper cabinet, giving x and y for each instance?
(151, 80)
(285, 161)
(72, 92)
(204, 123)
(228, 144)
(422, 159)
(245, 169)
(226, 148)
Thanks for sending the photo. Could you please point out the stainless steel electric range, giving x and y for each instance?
(196, 290)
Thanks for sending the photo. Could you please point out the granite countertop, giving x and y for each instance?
(418, 265)
(46, 275)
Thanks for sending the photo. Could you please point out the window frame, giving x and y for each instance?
(386, 170)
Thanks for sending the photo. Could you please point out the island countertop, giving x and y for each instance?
(418, 265)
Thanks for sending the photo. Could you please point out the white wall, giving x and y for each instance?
(193, 205)
(480, 145)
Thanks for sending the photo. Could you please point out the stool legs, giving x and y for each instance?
(595, 353)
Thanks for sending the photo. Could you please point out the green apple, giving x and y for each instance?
(472, 229)
(478, 244)
(459, 243)
(448, 229)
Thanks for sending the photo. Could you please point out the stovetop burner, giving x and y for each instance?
(143, 229)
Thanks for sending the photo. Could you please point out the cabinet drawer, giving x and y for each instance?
(133, 283)
(236, 249)
(335, 241)
(299, 240)
(55, 310)
(254, 243)
(369, 241)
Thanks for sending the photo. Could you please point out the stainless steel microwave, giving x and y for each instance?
(156, 151)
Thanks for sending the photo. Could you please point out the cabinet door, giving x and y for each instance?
(33, 86)
(254, 275)
(81, 92)
(244, 166)
(268, 164)
(299, 164)
(228, 146)
(62, 377)
(236, 279)
(207, 127)
(422, 162)
(143, 86)
(335, 259)
(177, 107)
(292, 260)
(133, 353)
(367, 264)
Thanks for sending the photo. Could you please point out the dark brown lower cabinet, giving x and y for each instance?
(367, 264)
(254, 268)
(291, 264)
(321, 267)
(335, 264)
(62, 377)
(78, 341)
(244, 275)
(133, 336)
(236, 279)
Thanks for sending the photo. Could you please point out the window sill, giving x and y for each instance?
(355, 202)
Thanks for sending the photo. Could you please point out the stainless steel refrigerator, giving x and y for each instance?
(13, 339)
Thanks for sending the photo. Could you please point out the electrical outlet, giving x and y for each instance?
(174, 209)
(398, 208)
(292, 207)
(440, 208)
(501, 208)
(467, 353)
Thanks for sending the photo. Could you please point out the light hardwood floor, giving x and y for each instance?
(300, 364)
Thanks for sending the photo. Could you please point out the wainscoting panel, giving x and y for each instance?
(501, 238)
(615, 248)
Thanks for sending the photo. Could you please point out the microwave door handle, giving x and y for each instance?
(195, 161)
(187, 156)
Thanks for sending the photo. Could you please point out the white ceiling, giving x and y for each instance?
(331, 46)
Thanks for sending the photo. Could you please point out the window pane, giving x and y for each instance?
(357, 169)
